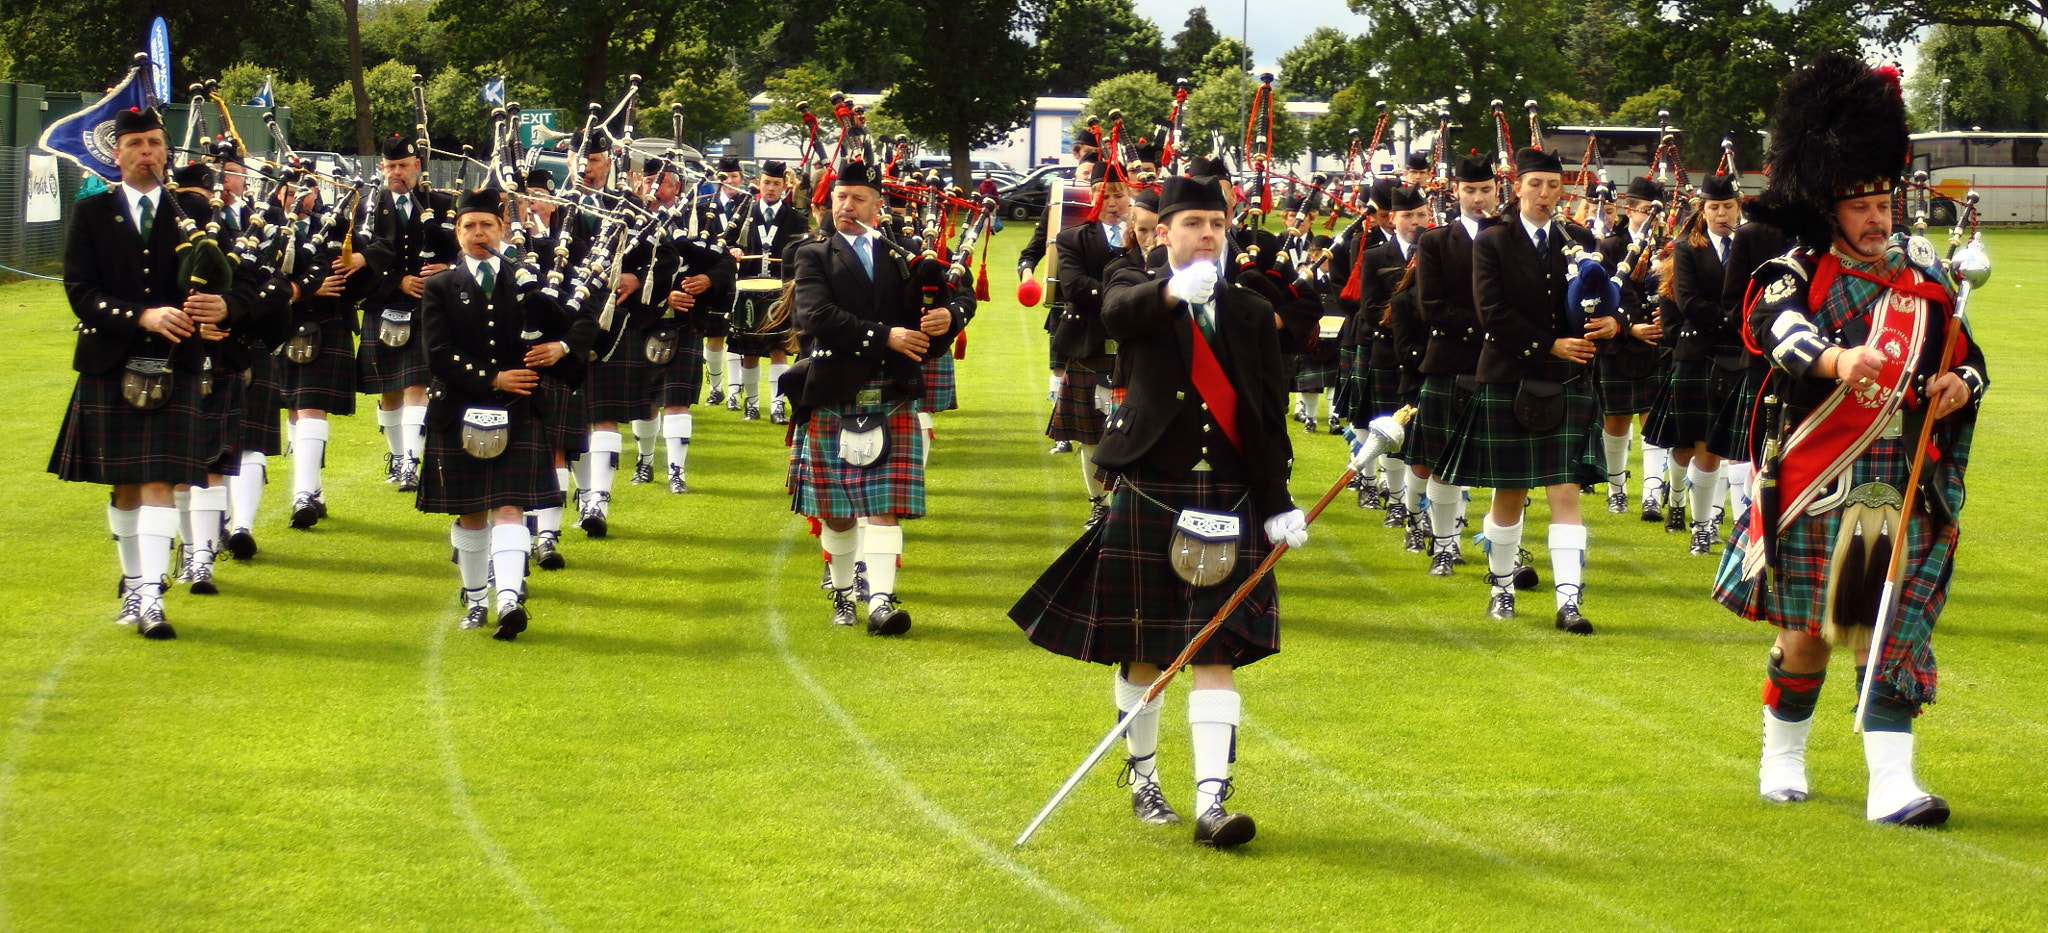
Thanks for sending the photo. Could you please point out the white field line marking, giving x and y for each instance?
(25, 724)
(458, 789)
(1447, 833)
(932, 812)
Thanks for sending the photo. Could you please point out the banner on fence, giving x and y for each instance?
(42, 202)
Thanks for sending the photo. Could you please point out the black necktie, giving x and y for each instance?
(1542, 241)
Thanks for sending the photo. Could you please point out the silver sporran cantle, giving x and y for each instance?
(661, 344)
(304, 346)
(1204, 546)
(864, 439)
(394, 327)
(486, 431)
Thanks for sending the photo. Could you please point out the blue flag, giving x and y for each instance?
(87, 137)
(494, 91)
(263, 98)
(160, 60)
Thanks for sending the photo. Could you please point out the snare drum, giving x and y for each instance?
(750, 308)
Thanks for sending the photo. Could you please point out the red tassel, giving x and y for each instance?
(960, 346)
(823, 195)
(1355, 288)
(981, 280)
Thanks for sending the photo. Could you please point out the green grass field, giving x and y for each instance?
(683, 742)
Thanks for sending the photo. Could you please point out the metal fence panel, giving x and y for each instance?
(25, 247)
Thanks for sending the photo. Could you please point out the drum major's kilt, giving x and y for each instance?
(454, 483)
(1732, 434)
(680, 381)
(941, 389)
(1490, 449)
(825, 486)
(1074, 415)
(1311, 375)
(221, 412)
(1113, 597)
(1436, 414)
(328, 383)
(1385, 386)
(1684, 410)
(1620, 395)
(564, 426)
(105, 440)
(620, 388)
(381, 369)
(263, 409)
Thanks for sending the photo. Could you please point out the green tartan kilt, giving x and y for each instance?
(1798, 599)
(1436, 415)
(1074, 415)
(1731, 435)
(262, 427)
(1312, 375)
(328, 382)
(680, 381)
(1385, 388)
(1352, 389)
(105, 440)
(1620, 395)
(381, 369)
(824, 486)
(1490, 449)
(1683, 412)
(454, 483)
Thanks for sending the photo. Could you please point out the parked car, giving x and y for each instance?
(1026, 199)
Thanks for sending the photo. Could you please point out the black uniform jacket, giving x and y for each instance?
(405, 244)
(1701, 285)
(848, 317)
(1638, 295)
(111, 276)
(789, 223)
(1755, 243)
(472, 337)
(1443, 280)
(1520, 301)
(1384, 268)
(1085, 256)
(1163, 424)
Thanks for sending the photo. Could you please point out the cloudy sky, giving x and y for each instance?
(1272, 31)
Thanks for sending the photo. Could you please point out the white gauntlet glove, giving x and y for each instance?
(1195, 284)
(1290, 526)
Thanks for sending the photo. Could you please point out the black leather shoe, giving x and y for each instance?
(753, 412)
(154, 628)
(889, 618)
(305, 511)
(844, 612)
(1526, 577)
(717, 396)
(643, 471)
(1617, 501)
(475, 617)
(547, 552)
(676, 484)
(242, 545)
(1223, 830)
(1501, 607)
(1150, 806)
(1926, 811)
(1653, 507)
(202, 577)
(1702, 541)
(1440, 563)
(511, 620)
(1674, 517)
(593, 523)
(1415, 540)
(1098, 509)
(1569, 620)
(409, 476)
(1062, 447)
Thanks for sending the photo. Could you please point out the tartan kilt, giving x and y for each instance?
(381, 369)
(1350, 387)
(328, 383)
(1436, 414)
(1112, 597)
(941, 388)
(262, 427)
(1798, 599)
(824, 486)
(1489, 448)
(105, 440)
(221, 414)
(1312, 375)
(1385, 388)
(1620, 395)
(1074, 415)
(454, 483)
(748, 343)
(564, 426)
(680, 381)
(621, 388)
(1683, 412)
(1729, 436)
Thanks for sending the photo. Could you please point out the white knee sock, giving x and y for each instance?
(1052, 384)
(880, 546)
(122, 523)
(924, 431)
(1737, 475)
(1700, 485)
(1464, 500)
(733, 364)
(471, 559)
(309, 454)
(156, 526)
(1213, 716)
(1615, 447)
(1411, 494)
(412, 422)
(714, 366)
(646, 434)
(1396, 474)
(676, 427)
(775, 371)
(245, 489)
(181, 499)
(1567, 561)
(750, 380)
(843, 547)
(1444, 500)
(1142, 738)
(394, 439)
(1657, 462)
(1720, 492)
(605, 447)
(1086, 454)
(548, 520)
(579, 470)
(1504, 543)
(209, 503)
(509, 547)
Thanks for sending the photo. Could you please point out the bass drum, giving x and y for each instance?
(760, 324)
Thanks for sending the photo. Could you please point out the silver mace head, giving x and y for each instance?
(1387, 432)
(1973, 264)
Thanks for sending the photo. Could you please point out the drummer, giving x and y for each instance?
(773, 223)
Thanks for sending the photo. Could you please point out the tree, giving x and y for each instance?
(1087, 41)
(1145, 101)
(1321, 65)
(1227, 56)
(714, 107)
(581, 52)
(1900, 20)
(1642, 109)
(966, 78)
(1996, 81)
(365, 140)
(404, 31)
(785, 90)
(1192, 44)
(87, 44)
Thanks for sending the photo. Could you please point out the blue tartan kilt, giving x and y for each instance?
(1436, 415)
(1683, 411)
(1113, 597)
(1731, 436)
(328, 382)
(381, 369)
(621, 388)
(1490, 449)
(454, 483)
(1798, 599)
(1074, 415)
(941, 392)
(1620, 395)
(108, 441)
(680, 381)
(824, 486)
(262, 423)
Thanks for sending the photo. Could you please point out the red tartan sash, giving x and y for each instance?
(1213, 385)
